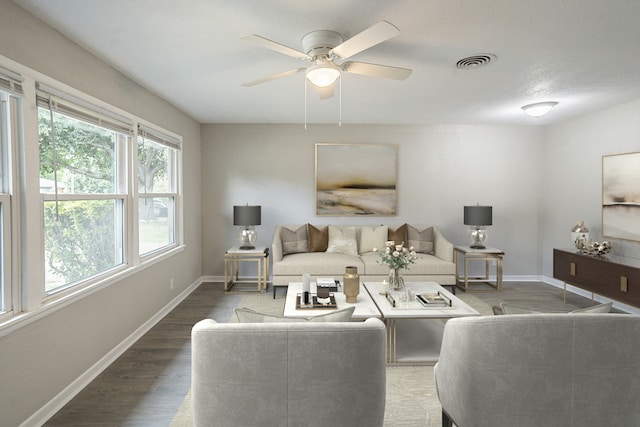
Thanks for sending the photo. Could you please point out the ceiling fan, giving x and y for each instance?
(326, 50)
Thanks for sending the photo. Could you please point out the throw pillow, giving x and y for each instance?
(294, 241)
(342, 240)
(247, 315)
(422, 241)
(318, 240)
(399, 235)
(372, 237)
(600, 308)
(514, 309)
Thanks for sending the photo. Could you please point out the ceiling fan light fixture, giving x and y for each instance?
(322, 75)
(539, 108)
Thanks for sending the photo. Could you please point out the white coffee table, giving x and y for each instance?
(414, 333)
(364, 306)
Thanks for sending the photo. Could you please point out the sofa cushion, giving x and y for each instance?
(318, 238)
(317, 263)
(247, 315)
(420, 240)
(342, 240)
(399, 235)
(294, 241)
(425, 265)
(372, 238)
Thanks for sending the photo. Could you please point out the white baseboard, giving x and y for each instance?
(54, 405)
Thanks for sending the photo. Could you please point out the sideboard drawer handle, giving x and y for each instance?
(573, 268)
(623, 283)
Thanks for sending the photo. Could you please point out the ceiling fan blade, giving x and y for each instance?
(273, 77)
(327, 91)
(375, 70)
(372, 36)
(269, 44)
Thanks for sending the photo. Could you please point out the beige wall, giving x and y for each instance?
(38, 361)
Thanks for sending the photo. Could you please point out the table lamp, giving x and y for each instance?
(247, 216)
(477, 218)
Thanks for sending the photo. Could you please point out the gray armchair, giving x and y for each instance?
(288, 374)
(537, 370)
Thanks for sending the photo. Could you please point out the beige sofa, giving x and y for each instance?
(288, 374)
(292, 256)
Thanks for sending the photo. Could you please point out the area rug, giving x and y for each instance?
(411, 395)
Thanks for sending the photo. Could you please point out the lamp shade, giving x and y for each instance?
(478, 215)
(247, 215)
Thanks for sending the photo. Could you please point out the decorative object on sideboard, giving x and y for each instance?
(579, 231)
(589, 247)
(247, 216)
(351, 284)
(477, 218)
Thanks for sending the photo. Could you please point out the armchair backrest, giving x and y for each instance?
(288, 374)
(541, 370)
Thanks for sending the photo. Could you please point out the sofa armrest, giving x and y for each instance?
(443, 248)
(276, 245)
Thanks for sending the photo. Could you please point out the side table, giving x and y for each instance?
(232, 259)
(489, 256)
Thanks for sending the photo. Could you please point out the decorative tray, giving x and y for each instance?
(330, 304)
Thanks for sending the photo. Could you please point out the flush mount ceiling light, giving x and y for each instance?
(539, 109)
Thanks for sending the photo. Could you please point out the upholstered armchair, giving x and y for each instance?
(535, 370)
(289, 374)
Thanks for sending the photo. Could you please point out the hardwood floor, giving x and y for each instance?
(147, 384)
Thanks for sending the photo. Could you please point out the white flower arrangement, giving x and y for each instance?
(395, 256)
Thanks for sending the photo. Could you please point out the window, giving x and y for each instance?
(10, 131)
(83, 190)
(157, 188)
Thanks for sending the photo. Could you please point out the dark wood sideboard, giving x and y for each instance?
(613, 277)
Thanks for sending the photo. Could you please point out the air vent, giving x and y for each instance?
(475, 61)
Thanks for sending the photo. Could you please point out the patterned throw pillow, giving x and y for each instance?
(342, 240)
(318, 239)
(372, 237)
(422, 241)
(246, 315)
(294, 241)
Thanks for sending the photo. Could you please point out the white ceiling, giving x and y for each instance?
(585, 54)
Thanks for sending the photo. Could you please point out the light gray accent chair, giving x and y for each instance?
(532, 370)
(288, 374)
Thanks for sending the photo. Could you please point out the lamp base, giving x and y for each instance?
(477, 237)
(248, 238)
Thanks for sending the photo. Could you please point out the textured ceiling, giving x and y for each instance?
(582, 53)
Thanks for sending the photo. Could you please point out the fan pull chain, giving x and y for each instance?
(340, 101)
(305, 103)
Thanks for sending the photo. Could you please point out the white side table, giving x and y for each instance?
(232, 259)
(490, 256)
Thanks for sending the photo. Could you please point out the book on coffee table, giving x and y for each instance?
(328, 283)
(436, 299)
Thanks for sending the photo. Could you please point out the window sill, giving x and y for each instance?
(58, 302)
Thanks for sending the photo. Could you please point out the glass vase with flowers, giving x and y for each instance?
(397, 257)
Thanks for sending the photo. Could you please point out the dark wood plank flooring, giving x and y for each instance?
(147, 384)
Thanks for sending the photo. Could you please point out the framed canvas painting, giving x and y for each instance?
(356, 179)
(621, 196)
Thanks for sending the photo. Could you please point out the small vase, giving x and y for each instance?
(396, 281)
(351, 284)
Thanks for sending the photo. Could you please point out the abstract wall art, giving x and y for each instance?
(621, 196)
(356, 179)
